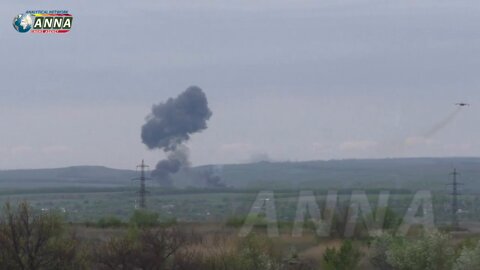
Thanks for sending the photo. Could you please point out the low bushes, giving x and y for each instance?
(37, 241)
(431, 251)
(31, 240)
(347, 257)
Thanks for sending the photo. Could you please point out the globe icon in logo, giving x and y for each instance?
(23, 22)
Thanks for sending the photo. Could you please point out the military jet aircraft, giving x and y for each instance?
(462, 104)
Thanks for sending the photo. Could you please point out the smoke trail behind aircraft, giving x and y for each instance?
(426, 138)
(442, 124)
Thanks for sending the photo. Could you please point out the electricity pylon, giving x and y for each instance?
(142, 192)
(455, 224)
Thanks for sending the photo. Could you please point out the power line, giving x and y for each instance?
(455, 192)
(142, 192)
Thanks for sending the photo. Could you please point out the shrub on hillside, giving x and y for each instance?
(431, 251)
(469, 259)
(144, 249)
(143, 218)
(109, 222)
(345, 258)
(37, 241)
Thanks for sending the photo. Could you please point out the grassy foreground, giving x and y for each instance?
(32, 239)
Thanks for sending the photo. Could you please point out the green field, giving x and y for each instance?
(88, 193)
(208, 206)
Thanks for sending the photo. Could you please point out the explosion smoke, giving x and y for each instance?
(212, 177)
(170, 124)
(175, 161)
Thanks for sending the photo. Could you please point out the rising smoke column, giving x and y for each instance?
(170, 124)
(211, 177)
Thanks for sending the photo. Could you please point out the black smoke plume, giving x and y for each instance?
(211, 177)
(175, 160)
(170, 124)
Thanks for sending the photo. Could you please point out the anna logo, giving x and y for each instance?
(56, 21)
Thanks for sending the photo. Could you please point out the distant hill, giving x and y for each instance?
(88, 176)
(405, 173)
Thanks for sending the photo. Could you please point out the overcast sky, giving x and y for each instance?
(286, 80)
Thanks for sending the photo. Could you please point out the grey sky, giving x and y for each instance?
(294, 80)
